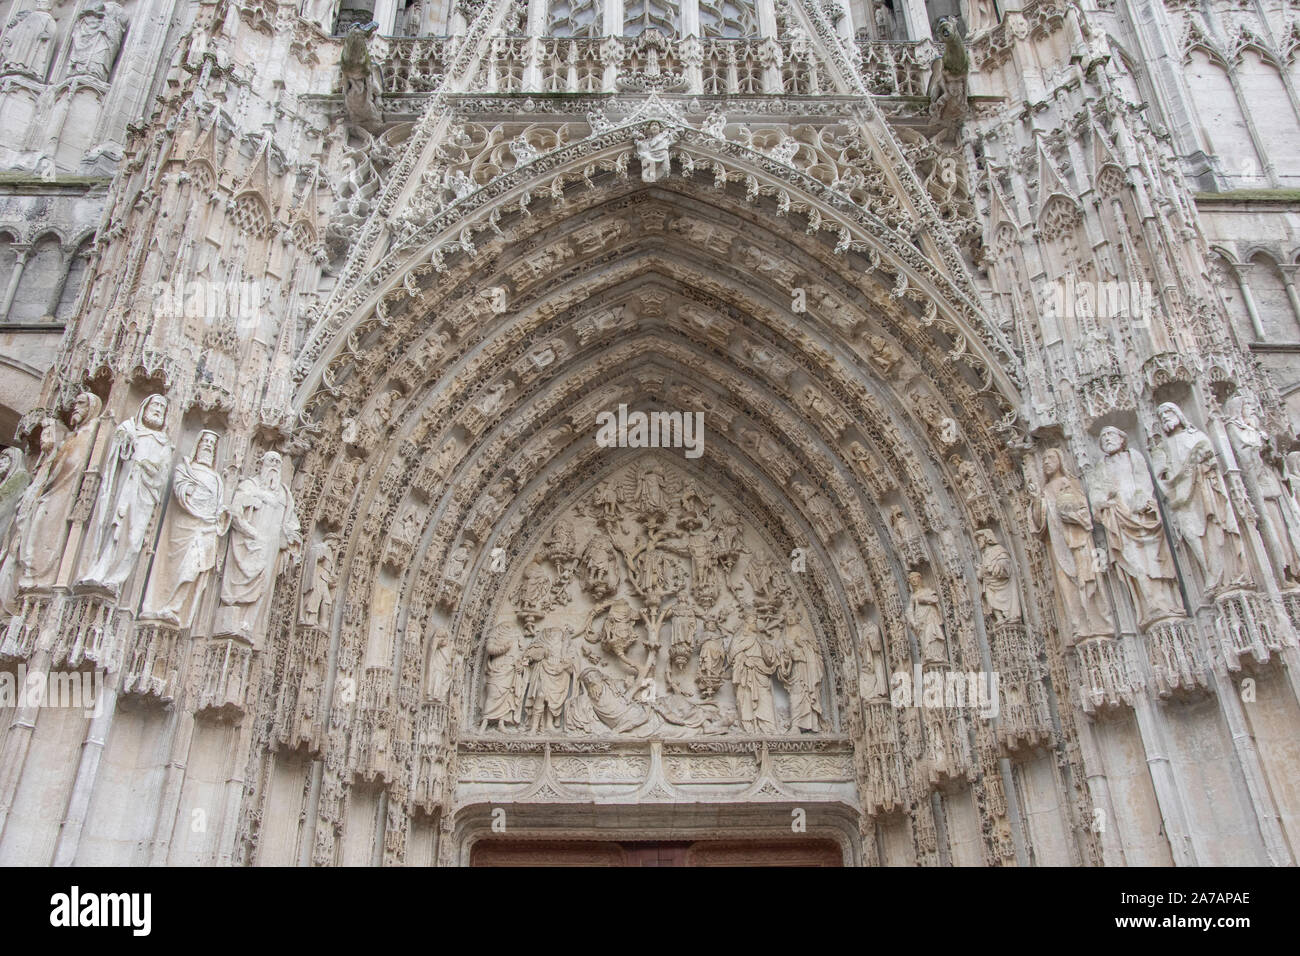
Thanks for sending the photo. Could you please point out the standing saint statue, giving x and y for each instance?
(505, 680)
(803, 676)
(1059, 512)
(187, 547)
(873, 685)
(263, 527)
(553, 679)
(997, 579)
(926, 619)
(42, 520)
(1187, 470)
(28, 42)
(752, 666)
(96, 39)
(1255, 453)
(318, 603)
(131, 492)
(437, 681)
(1125, 503)
(14, 482)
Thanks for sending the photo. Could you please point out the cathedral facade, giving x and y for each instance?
(463, 432)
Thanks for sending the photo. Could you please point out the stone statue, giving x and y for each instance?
(534, 594)
(753, 662)
(28, 42)
(602, 704)
(803, 677)
(1125, 504)
(713, 655)
(904, 528)
(873, 684)
(505, 680)
(96, 39)
(263, 529)
(926, 620)
(131, 492)
(1187, 470)
(651, 493)
(652, 151)
(14, 480)
(1278, 505)
(382, 413)
(457, 564)
(997, 579)
(1059, 512)
(1292, 471)
(820, 510)
(979, 15)
(362, 79)
(492, 399)
(552, 679)
(948, 74)
(42, 527)
(438, 678)
(318, 602)
(599, 567)
(187, 547)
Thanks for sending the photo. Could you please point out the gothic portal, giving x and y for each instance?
(822, 433)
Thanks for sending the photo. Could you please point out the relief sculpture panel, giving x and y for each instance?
(650, 610)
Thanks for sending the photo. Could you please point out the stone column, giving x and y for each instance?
(386, 16)
(1248, 298)
(20, 259)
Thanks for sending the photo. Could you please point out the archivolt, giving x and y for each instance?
(659, 297)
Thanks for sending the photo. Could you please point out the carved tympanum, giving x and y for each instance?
(650, 609)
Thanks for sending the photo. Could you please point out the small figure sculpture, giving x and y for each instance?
(997, 579)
